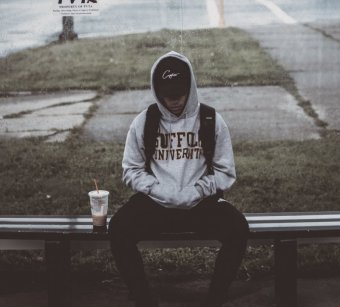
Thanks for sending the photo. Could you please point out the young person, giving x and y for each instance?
(177, 190)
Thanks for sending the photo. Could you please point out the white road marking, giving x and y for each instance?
(215, 13)
(277, 11)
(212, 12)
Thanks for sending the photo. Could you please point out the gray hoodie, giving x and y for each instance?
(179, 176)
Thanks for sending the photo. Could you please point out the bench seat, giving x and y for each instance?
(262, 226)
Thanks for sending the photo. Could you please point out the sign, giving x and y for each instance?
(76, 7)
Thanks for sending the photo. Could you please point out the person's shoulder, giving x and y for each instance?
(221, 123)
(139, 120)
(219, 117)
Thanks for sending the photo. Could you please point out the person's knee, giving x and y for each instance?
(236, 228)
(119, 223)
(118, 231)
(244, 233)
(243, 226)
(113, 227)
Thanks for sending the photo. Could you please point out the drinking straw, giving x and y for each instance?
(95, 182)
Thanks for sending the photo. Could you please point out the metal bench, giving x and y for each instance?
(57, 235)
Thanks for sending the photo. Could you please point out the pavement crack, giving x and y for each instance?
(309, 110)
(27, 112)
(323, 32)
(76, 131)
(306, 106)
(18, 115)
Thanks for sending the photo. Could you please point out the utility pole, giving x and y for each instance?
(68, 33)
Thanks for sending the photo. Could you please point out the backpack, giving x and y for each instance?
(206, 134)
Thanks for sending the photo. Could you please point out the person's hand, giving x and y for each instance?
(187, 196)
(170, 196)
(163, 193)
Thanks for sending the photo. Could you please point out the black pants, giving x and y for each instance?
(141, 218)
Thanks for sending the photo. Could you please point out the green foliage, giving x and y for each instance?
(220, 57)
(54, 178)
(321, 260)
(180, 262)
(287, 176)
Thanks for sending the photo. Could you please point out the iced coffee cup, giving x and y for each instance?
(99, 203)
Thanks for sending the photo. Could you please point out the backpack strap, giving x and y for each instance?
(151, 127)
(207, 134)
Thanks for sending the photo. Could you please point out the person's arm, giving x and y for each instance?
(223, 163)
(134, 174)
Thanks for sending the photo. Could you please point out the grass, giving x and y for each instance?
(41, 178)
(220, 57)
(288, 176)
(54, 178)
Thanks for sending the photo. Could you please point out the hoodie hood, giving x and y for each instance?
(191, 107)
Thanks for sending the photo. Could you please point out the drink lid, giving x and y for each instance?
(95, 194)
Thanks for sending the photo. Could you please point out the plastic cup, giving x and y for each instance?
(99, 204)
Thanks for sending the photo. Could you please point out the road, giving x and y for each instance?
(249, 13)
(27, 23)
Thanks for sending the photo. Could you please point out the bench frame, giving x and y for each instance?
(287, 231)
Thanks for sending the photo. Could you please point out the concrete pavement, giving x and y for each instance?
(50, 115)
(252, 113)
(311, 55)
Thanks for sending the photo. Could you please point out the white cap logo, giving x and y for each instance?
(168, 75)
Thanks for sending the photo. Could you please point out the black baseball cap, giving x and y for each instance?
(172, 78)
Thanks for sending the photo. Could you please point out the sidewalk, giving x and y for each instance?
(311, 55)
(258, 113)
(50, 115)
(252, 114)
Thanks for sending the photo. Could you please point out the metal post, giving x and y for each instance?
(286, 273)
(58, 273)
(68, 29)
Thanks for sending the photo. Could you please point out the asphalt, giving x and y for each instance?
(311, 54)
